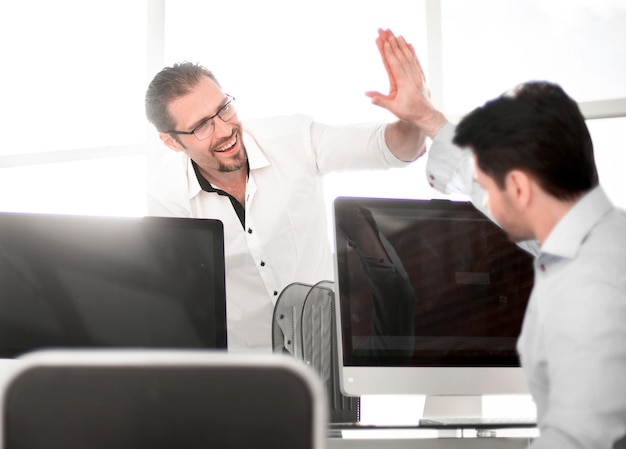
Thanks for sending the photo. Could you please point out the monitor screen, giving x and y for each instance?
(70, 281)
(430, 295)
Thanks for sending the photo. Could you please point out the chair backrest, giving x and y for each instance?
(304, 326)
(162, 399)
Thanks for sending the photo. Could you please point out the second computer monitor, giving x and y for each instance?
(431, 297)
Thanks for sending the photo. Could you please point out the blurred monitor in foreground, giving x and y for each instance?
(110, 282)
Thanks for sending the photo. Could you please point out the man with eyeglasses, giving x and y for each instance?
(263, 180)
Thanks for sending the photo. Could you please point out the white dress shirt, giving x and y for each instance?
(573, 341)
(285, 238)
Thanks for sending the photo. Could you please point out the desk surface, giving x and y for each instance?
(399, 438)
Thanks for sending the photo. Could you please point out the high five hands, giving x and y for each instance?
(408, 97)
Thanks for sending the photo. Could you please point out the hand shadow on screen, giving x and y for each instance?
(394, 300)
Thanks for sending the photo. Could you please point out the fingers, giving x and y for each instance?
(398, 56)
(379, 99)
(394, 55)
(409, 97)
(403, 54)
(373, 94)
(408, 92)
(380, 43)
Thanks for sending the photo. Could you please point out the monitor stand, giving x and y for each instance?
(453, 407)
(412, 410)
(471, 410)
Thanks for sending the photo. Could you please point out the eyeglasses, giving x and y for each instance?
(206, 127)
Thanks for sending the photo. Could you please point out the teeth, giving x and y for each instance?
(227, 146)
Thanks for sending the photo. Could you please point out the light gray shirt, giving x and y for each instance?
(573, 341)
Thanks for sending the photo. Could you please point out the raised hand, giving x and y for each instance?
(408, 97)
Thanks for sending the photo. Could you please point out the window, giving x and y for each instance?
(489, 46)
(609, 143)
(73, 78)
(75, 137)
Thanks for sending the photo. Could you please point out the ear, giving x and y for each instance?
(170, 142)
(519, 186)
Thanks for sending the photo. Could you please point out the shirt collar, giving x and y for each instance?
(570, 232)
(192, 180)
(256, 158)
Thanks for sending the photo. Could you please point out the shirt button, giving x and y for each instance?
(275, 293)
(542, 267)
(249, 230)
(262, 263)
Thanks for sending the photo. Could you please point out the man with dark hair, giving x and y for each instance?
(534, 139)
(530, 164)
(263, 181)
(535, 127)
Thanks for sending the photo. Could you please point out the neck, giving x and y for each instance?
(548, 214)
(232, 182)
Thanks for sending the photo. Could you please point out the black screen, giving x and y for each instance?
(71, 281)
(427, 283)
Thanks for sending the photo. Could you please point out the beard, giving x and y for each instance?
(235, 162)
(239, 161)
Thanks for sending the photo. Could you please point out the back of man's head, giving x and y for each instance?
(536, 128)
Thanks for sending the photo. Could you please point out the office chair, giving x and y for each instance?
(304, 325)
(162, 399)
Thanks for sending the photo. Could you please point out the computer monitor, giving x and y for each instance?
(70, 281)
(430, 299)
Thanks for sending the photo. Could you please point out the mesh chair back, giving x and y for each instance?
(304, 326)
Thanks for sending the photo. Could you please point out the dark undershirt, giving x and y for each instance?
(207, 187)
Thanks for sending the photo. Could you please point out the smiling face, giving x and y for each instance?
(222, 152)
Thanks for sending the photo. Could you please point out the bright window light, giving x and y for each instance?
(108, 186)
(74, 77)
(278, 57)
(73, 74)
(609, 143)
(489, 46)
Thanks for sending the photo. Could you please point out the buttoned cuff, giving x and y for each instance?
(449, 168)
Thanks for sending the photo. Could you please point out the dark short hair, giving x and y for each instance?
(536, 128)
(169, 84)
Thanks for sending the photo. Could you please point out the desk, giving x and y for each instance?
(442, 443)
(405, 438)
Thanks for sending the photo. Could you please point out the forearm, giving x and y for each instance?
(428, 119)
(406, 141)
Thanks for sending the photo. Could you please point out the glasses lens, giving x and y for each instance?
(228, 111)
(205, 130)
